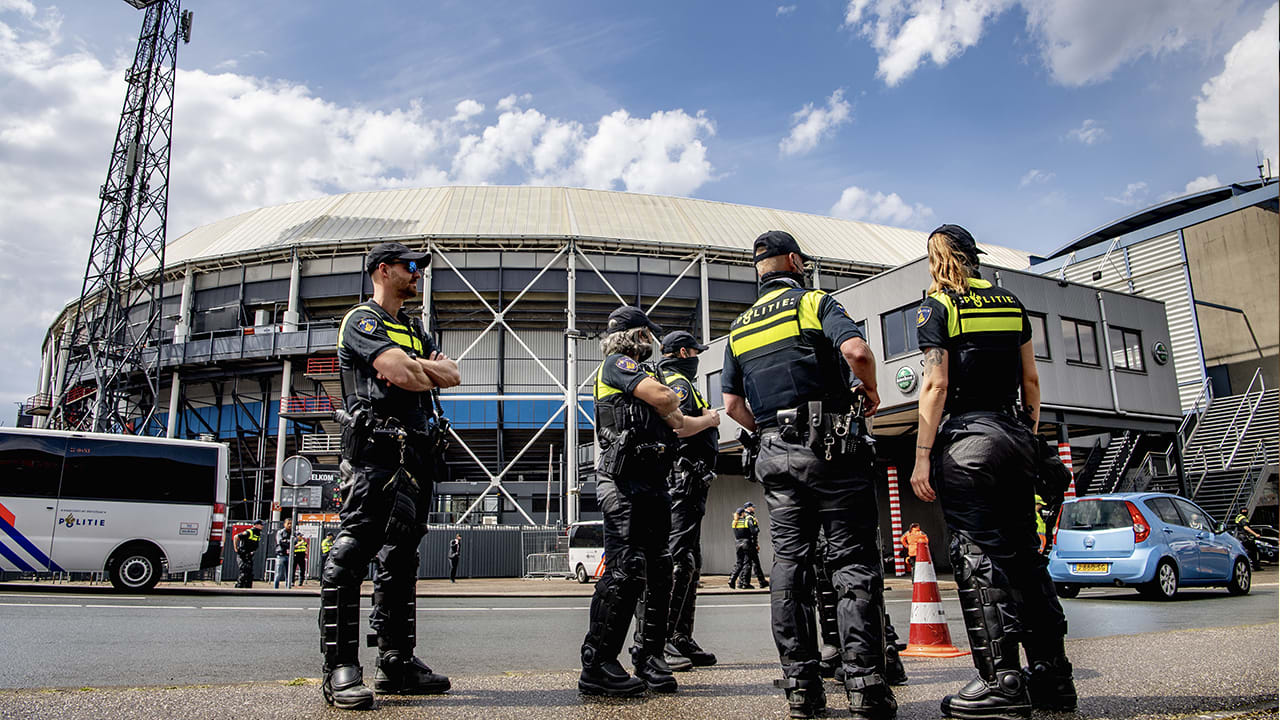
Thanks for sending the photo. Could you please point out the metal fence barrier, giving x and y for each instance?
(546, 565)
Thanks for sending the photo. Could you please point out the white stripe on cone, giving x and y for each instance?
(927, 614)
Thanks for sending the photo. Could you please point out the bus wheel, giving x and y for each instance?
(582, 574)
(134, 568)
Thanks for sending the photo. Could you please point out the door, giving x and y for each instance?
(1180, 538)
(30, 473)
(1215, 554)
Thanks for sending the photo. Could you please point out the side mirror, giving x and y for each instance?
(1219, 528)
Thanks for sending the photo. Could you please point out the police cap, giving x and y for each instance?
(775, 243)
(627, 317)
(390, 252)
(257, 522)
(673, 341)
(960, 239)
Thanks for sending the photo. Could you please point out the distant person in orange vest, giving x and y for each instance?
(911, 541)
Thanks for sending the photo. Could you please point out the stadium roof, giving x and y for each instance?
(551, 213)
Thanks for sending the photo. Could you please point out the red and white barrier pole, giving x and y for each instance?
(1064, 454)
(895, 521)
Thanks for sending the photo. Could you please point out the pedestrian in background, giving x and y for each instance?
(455, 553)
(245, 543)
(325, 546)
(912, 539)
(741, 545)
(284, 543)
(300, 549)
(753, 548)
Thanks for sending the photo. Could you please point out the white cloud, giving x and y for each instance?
(242, 142)
(1034, 176)
(1200, 184)
(23, 7)
(784, 10)
(1088, 133)
(466, 110)
(512, 101)
(856, 203)
(1240, 105)
(1080, 41)
(811, 124)
(1134, 194)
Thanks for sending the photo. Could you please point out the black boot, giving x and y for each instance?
(1003, 697)
(870, 698)
(676, 660)
(830, 664)
(610, 679)
(895, 673)
(1050, 684)
(344, 688)
(653, 670)
(806, 697)
(400, 673)
(687, 647)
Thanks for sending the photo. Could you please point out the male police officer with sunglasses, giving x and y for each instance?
(784, 358)
(391, 453)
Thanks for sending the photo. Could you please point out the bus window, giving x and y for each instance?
(30, 465)
(133, 471)
(587, 535)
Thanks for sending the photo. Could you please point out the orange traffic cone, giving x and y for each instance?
(929, 634)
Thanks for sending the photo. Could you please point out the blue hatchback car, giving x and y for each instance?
(1154, 542)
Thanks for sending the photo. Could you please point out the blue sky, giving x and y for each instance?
(1029, 121)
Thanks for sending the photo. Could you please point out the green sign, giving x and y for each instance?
(1160, 353)
(906, 379)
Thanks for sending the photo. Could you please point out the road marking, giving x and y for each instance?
(253, 607)
(64, 595)
(31, 604)
(144, 607)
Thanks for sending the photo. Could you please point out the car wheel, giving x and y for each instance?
(1067, 590)
(581, 572)
(135, 569)
(1165, 583)
(1241, 578)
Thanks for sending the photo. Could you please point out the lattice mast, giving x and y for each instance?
(113, 360)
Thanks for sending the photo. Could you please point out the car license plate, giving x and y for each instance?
(1091, 567)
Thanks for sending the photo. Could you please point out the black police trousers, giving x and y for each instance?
(384, 522)
(983, 470)
(742, 563)
(688, 505)
(245, 579)
(805, 493)
(637, 522)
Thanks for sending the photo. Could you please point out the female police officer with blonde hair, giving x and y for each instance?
(980, 462)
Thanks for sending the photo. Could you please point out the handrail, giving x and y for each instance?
(1253, 412)
(1257, 374)
(1206, 392)
(1248, 473)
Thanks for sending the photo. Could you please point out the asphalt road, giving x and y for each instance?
(93, 640)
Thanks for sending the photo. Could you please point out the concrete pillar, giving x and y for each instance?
(286, 386)
(895, 521)
(705, 303)
(571, 391)
(426, 293)
(182, 329)
(175, 395)
(44, 381)
(1064, 454)
(60, 374)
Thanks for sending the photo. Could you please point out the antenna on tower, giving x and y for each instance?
(112, 376)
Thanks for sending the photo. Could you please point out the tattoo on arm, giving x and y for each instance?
(932, 359)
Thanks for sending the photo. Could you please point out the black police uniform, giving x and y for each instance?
(388, 485)
(783, 354)
(689, 483)
(983, 466)
(742, 549)
(247, 541)
(637, 522)
(829, 626)
(753, 551)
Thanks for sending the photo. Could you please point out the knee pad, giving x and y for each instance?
(348, 562)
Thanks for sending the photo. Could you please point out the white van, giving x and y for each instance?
(133, 507)
(586, 550)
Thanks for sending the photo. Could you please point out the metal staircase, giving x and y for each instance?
(1111, 471)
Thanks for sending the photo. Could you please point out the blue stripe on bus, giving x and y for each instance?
(13, 558)
(27, 545)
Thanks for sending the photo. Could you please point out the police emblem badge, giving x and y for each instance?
(367, 325)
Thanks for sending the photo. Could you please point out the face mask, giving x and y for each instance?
(798, 278)
(646, 351)
(687, 367)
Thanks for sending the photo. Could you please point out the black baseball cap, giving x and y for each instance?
(960, 239)
(775, 243)
(629, 316)
(747, 505)
(257, 522)
(673, 341)
(390, 252)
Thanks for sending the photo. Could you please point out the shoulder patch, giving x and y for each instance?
(367, 325)
(922, 315)
(627, 364)
(681, 390)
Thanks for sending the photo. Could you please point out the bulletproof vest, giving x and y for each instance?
(301, 546)
(741, 531)
(985, 361)
(617, 411)
(785, 359)
(360, 384)
(703, 445)
(326, 545)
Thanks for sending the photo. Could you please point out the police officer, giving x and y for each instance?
(742, 549)
(391, 449)
(326, 545)
(1249, 539)
(753, 547)
(245, 543)
(784, 358)
(635, 416)
(300, 548)
(284, 547)
(981, 460)
(689, 482)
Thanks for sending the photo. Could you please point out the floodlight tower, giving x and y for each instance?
(112, 377)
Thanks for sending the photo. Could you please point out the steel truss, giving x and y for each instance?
(569, 405)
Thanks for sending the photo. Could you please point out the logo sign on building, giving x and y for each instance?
(906, 379)
(309, 496)
(1160, 353)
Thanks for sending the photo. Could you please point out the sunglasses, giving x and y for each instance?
(412, 265)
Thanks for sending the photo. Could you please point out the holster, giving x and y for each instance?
(750, 452)
(402, 521)
(357, 431)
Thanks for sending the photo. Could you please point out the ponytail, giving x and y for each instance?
(949, 269)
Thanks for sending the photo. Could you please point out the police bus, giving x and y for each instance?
(586, 550)
(132, 507)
